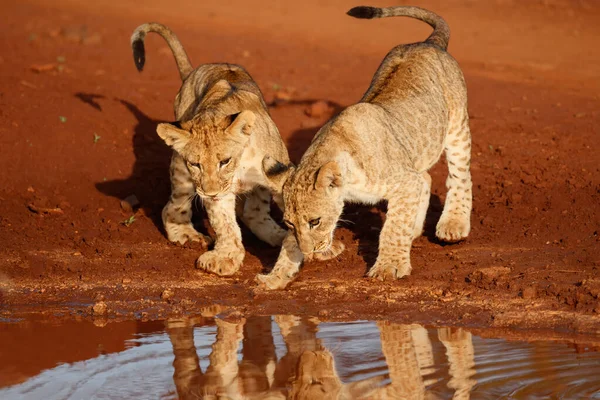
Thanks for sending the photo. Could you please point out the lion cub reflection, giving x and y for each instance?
(307, 371)
(317, 379)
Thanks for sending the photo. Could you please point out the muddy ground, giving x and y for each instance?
(77, 134)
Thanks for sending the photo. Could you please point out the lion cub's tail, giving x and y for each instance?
(441, 32)
(139, 52)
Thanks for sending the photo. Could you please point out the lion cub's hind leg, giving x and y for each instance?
(177, 213)
(455, 222)
(423, 205)
(256, 217)
(461, 360)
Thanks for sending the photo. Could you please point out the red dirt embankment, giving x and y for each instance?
(77, 134)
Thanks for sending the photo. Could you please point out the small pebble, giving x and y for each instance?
(166, 294)
(529, 293)
(317, 109)
(100, 308)
(129, 203)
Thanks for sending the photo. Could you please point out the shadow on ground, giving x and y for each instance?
(149, 179)
(300, 139)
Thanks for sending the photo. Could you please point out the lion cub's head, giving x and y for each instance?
(212, 146)
(317, 379)
(313, 204)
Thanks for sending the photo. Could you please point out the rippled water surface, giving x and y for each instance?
(283, 357)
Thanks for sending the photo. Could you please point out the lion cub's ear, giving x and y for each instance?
(242, 123)
(329, 176)
(277, 173)
(174, 136)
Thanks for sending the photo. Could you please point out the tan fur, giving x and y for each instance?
(220, 144)
(317, 379)
(381, 149)
(306, 372)
(461, 360)
(400, 355)
(409, 356)
(221, 377)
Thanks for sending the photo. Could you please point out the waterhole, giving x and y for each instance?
(279, 357)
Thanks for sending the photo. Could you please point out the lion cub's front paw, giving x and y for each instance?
(272, 282)
(186, 233)
(454, 335)
(386, 272)
(217, 263)
(453, 228)
(334, 250)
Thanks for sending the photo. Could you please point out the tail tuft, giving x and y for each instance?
(365, 12)
(441, 32)
(139, 53)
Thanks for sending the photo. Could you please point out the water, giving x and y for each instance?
(283, 357)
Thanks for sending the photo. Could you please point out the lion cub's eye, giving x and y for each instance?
(313, 223)
(224, 162)
(289, 224)
(195, 165)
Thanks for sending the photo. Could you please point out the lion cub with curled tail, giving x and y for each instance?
(381, 149)
(223, 135)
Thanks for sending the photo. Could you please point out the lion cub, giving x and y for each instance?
(223, 134)
(381, 149)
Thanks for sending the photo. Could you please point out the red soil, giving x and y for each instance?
(77, 134)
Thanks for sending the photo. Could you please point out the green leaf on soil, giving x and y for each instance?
(129, 221)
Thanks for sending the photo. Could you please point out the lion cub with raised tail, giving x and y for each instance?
(381, 149)
(223, 134)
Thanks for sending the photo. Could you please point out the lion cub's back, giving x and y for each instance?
(422, 89)
(195, 87)
(416, 70)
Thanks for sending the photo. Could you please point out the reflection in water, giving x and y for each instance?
(283, 357)
(459, 349)
(307, 370)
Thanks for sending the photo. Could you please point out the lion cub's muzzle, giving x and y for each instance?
(309, 246)
(322, 246)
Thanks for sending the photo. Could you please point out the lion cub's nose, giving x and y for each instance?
(211, 196)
